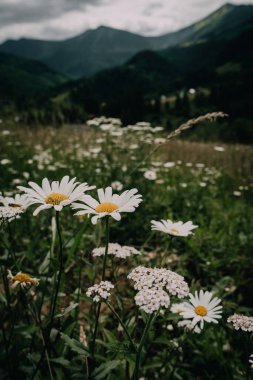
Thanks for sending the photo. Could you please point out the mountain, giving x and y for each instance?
(22, 79)
(105, 47)
(220, 69)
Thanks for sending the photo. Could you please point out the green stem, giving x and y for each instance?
(123, 325)
(103, 278)
(143, 338)
(106, 247)
(247, 374)
(55, 297)
(60, 272)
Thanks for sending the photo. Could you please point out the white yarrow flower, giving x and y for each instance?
(151, 300)
(159, 278)
(56, 195)
(241, 322)
(101, 291)
(109, 204)
(121, 252)
(189, 326)
(171, 228)
(9, 213)
(203, 307)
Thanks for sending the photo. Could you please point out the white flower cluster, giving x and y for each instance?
(251, 361)
(241, 322)
(116, 250)
(100, 291)
(150, 300)
(159, 278)
(189, 326)
(9, 213)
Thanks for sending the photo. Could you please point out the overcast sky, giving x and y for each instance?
(59, 19)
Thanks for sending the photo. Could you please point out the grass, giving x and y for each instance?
(193, 181)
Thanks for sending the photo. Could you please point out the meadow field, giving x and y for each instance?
(137, 323)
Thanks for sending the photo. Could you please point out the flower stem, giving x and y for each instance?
(106, 247)
(103, 277)
(60, 270)
(143, 338)
(122, 324)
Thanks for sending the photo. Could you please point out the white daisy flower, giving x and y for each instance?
(202, 308)
(109, 204)
(150, 175)
(19, 201)
(251, 360)
(22, 279)
(57, 194)
(171, 228)
(178, 307)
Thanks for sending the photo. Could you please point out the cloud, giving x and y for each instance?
(60, 19)
(31, 11)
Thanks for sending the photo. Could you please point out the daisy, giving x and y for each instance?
(57, 194)
(109, 204)
(175, 229)
(22, 279)
(19, 202)
(202, 308)
(178, 307)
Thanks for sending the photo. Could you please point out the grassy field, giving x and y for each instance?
(208, 184)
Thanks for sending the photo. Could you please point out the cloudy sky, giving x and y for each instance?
(59, 19)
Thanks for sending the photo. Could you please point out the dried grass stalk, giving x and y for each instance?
(212, 116)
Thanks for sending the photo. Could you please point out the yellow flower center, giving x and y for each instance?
(14, 205)
(22, 277)
(174, 230)
(200, 310)
(106, 207)
(55, 198)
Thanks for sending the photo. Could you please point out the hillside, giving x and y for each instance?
(104, 47)
(22, 80)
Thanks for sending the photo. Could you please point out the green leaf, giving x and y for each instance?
(45, 264)
(75, 345)
(61, 361)
(105, 369)
(76, 243)
(67, 310)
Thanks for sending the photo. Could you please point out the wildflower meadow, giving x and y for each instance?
(126, 253)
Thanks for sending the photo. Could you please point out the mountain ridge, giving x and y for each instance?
(106, 47)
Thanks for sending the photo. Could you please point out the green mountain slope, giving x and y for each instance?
(23, 80)
(105, 47)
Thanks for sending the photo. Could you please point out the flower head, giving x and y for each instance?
(189, 326)
(202, 307)
(152, 299)
(241, 322)
(19, 202)
(178, 307)
(171, 228)
(116, 250)
(22, 279)
(100, 291)
(8, 213)
(56, 195)
(251, 360)
(109, 204)
(159, 278)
